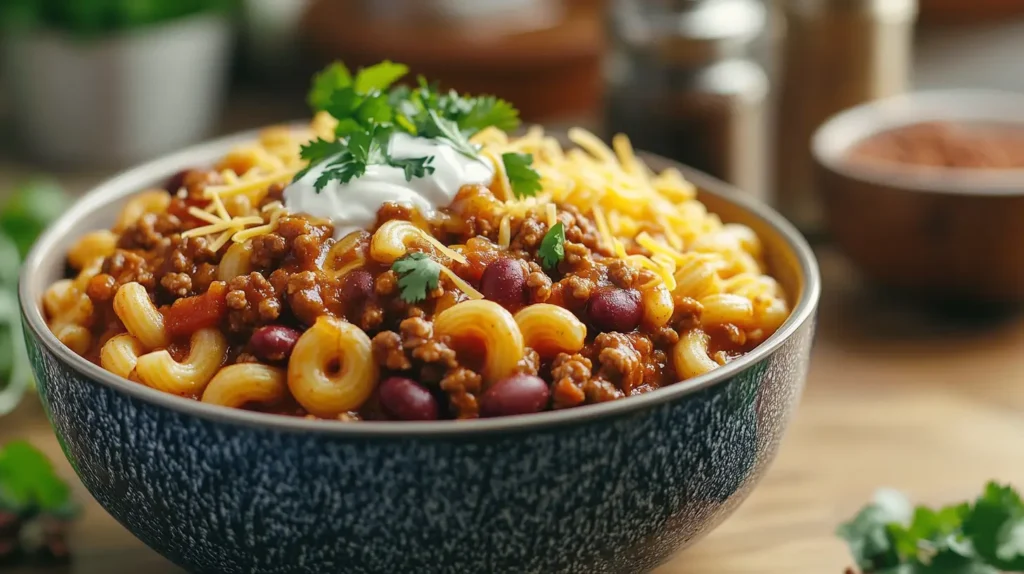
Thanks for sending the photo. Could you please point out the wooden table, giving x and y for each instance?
(896, 397)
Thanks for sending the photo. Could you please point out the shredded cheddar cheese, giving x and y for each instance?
(461, 284)
(630, 205)
(505, 231)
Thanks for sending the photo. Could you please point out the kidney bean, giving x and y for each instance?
(177, 181)
(504, 282)
(357, 286)
(273, 342)
(613, 309)
(407, 400)
(518, 394)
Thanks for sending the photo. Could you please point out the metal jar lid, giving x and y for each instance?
(687, 32)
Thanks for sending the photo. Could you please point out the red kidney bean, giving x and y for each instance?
(613, 309)
(407, 400)
(273, 342)
(518, 394)
(177, 181)
(357, 286)
(504, 282)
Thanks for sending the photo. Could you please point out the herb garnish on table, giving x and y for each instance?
(984, 536)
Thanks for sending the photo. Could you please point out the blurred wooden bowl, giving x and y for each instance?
(969, 11)
(550, 71)
(941, 234)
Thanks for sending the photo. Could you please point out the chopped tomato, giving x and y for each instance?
(188, 315)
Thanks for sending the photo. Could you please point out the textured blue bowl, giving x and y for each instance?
(615, 487)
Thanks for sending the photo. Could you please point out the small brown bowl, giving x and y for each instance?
(945, 234)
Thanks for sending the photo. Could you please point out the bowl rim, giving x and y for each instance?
(833, 138)
(136, 179)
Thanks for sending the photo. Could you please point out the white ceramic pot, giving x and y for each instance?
(119, 99)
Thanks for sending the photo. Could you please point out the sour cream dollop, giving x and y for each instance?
(354, 205)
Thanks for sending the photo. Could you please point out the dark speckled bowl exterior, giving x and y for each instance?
(616, 487)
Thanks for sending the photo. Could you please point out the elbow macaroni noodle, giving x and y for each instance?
(188, 378)
(331, 370)
(247, 383)
(550, 329)
(491, 328)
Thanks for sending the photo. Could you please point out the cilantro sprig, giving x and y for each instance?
(552, 246)
(525, 181)
(418, 275)
(985, 536)
(371, 107)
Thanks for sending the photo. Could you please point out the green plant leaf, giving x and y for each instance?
(33, 206)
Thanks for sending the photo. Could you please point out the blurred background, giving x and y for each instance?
(736, 88)
(729, 86)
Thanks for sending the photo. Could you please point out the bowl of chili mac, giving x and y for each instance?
(408, 337)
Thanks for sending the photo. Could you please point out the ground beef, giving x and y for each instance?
(386, 284)
(621, 362)
(304, 299)
(569, 374)
(598, 390)
(577, 257)
(686, 315)
(177, 284)
(416, 332)
(530, 363)
(462, 386)
(306, 250)
(436, 351)
(539, 286)
(531, 231)
(623, 274)
(101, 288)
(371, 318)
(149, 231)
(388, 351)
(391, 210)
(128, 267)
(268, 250)
(252, 301)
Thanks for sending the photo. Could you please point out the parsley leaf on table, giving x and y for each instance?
(983, 537)
(418, 274)
(552, 246)
(525, 181)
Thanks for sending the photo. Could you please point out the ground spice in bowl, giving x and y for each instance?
(944, 144)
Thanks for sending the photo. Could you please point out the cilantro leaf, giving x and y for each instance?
(870, 540)
(326, 83)
(486, 111)
(985, 537)
(379, 77)
(448, 130)
(418, 275)
(994, 526)
(343, 168)
(524, 179)
(552, 247)
(414, 166)
(316, 152)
